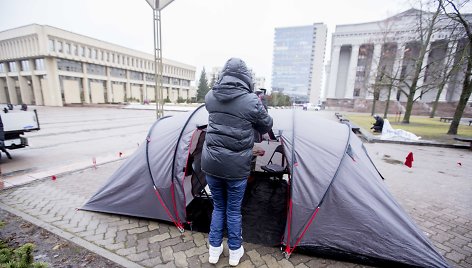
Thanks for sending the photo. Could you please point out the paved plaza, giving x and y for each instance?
(436, 192)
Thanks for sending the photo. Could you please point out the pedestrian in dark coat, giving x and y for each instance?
(378, 125)
(235, 112)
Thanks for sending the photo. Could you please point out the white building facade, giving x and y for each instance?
(44, 65)
(362, 54)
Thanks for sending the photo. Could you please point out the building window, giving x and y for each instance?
(100, 55)
(25, 65)
(96, 69)
(81, 51)
(39, 64)
(357, 92)
(116, 72)
(112, 58)
(89, 52)
(150, 77)
(74, 50)
(175, 81)
(94, 54)
(69, 65)
(67, 48)
(136, 75)
(2, 69)
(59, 47)
(12, 66)
(52, 46)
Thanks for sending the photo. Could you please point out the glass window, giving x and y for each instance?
(67, 48)
(112, 57)
(94, 54)
(2, 69)
(12, 66)
(81, 51)
(25, 65)
(39, 64)
(59, 47)
(96, 69)
(52, 46)
(100, 55)
(116, 72)
(89, 52)
(69, 65)
(74, 49)
(136, 75)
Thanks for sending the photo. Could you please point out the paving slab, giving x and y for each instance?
(436, 192)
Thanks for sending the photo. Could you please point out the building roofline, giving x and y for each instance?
(98, 40)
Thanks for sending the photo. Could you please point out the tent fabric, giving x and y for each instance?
(338, 202)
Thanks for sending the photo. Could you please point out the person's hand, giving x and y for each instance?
(258, 151)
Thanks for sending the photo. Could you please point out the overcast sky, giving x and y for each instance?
(203, 33)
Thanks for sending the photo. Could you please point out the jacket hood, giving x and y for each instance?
(235, 80)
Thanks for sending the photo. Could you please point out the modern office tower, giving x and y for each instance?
(44, 65)
(298, 57)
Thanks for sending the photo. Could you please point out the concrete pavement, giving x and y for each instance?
(436, 192)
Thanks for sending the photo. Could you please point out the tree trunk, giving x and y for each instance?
(374, 101)
(465, 95)
(388, 100)
(435, 103)
(408, 108)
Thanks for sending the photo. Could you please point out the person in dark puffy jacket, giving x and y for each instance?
(235, 112)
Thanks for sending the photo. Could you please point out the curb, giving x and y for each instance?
(368, 137)
(41, 175)
(72, 238)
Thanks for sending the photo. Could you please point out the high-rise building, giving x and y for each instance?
(44, 65)
(298, 61)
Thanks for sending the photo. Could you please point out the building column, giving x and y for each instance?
(52, 93)
(333, 72)
(373, 69)
(25, 90)
(4, 95)
(127, 87)
(450, 58)
(85, 84)
(351, 76)
(397, 68)
(110, 96)
(423, 70)
(11, 87)
(36, 84)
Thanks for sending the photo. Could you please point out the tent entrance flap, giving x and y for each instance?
(264, 211)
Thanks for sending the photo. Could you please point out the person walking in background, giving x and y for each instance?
(235, 112)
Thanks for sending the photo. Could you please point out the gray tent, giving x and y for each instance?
(337, 203)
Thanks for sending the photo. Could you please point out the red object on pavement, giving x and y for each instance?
(120, 154)
(53, 177)
(409, 160)
(459, 163)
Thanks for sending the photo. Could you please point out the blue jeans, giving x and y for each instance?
(227, 199)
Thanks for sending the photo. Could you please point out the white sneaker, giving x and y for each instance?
(214, 254)
(235, 256)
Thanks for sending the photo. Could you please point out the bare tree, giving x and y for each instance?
(453, 11)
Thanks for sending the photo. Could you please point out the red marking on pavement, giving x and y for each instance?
(409, 160)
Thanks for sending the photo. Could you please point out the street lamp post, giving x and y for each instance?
(157, 6)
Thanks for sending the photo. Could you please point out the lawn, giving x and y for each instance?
(425, 127)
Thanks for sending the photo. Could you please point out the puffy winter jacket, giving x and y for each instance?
(235, 112)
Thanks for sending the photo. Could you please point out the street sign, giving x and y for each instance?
(159, 4)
